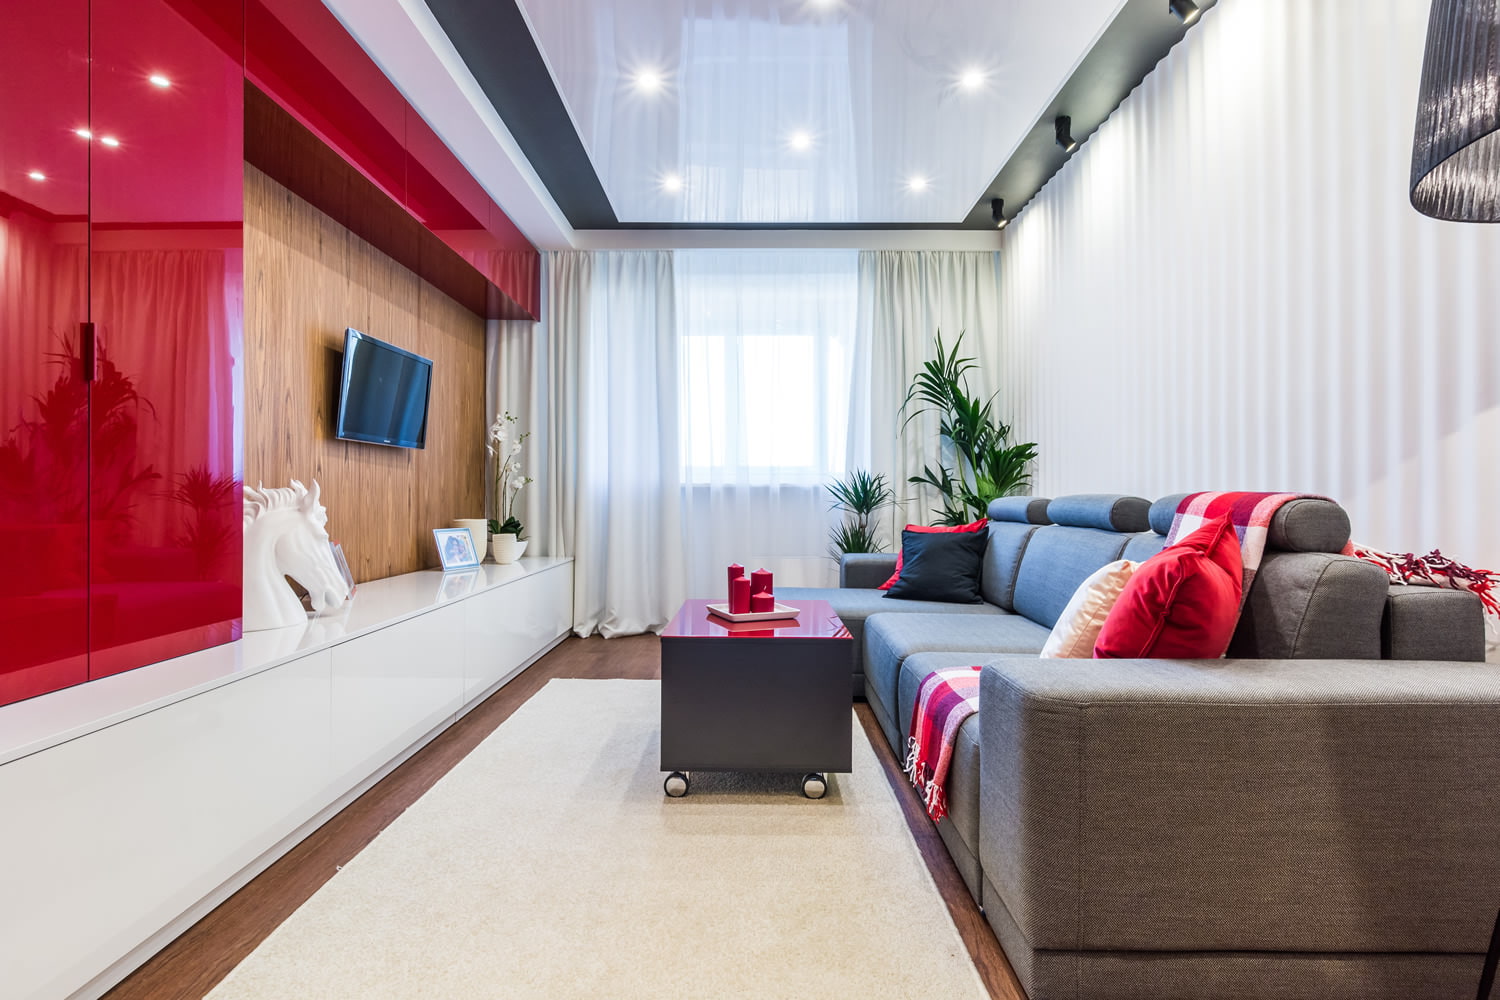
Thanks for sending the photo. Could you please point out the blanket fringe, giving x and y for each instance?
(913, 754)
(931, 791)
(937, 805)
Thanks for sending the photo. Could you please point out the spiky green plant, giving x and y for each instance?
(76, 426)
(860, 495)
(215, 517)
(985, 464)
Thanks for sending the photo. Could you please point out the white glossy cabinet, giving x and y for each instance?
(395, 685)
(114, 840)
(112, 836)
(502, 624)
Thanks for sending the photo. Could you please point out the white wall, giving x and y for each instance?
(1227, 288)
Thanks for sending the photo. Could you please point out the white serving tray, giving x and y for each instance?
(782, 611)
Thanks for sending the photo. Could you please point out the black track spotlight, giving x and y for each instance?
(1064, 128)
(997, 212)
(1184, 10)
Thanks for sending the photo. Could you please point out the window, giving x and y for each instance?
(767, 344)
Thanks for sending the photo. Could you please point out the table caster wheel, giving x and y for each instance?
(676, 785)
(814, 786)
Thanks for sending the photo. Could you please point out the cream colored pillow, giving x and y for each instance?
(1079, 624)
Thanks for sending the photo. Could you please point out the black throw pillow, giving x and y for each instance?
(940, 566)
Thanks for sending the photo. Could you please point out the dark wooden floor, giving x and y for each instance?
(191, 965)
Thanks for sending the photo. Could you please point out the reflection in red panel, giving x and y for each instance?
(43, 401)
(299, 54)
(165, 291)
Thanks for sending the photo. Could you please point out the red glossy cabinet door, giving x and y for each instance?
(166, 284)
(44, 202)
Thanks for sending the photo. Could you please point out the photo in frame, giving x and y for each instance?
(455, 548)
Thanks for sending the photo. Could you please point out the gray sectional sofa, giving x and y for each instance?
(1317, 814)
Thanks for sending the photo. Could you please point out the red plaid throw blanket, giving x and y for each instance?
(946, 698)
(1436, 570)
(1250, 513)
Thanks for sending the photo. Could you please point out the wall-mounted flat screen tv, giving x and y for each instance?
(383, 393)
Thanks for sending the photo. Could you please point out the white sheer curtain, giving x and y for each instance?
(768, 341)
(905, 298)
(596, 384)
(688, 410)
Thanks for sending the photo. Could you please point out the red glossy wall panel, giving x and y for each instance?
(299, 54)
(165, 297)
(43, 297)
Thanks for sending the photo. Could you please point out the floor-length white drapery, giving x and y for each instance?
(768, 340)
(688, 409)
(595, 383)
(905, 298)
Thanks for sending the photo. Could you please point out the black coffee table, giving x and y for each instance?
(765, 696)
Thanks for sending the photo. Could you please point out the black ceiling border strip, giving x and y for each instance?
(523, 93)
(1139, 38)
(494, 41)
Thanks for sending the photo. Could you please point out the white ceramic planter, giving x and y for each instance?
(479, 530)
(506, 548)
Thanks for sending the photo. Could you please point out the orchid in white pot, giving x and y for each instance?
(505, 448)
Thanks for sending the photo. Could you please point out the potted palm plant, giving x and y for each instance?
(985, 464)
(505, 448)
(859, 495)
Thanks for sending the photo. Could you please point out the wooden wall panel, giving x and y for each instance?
(306, 279)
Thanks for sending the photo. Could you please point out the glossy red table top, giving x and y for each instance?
(817, 621)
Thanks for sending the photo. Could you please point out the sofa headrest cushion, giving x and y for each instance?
(1026, 510)
(1106, 511)
(1164, 510)
(1306, 524)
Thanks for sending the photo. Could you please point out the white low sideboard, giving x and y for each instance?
(132, 805)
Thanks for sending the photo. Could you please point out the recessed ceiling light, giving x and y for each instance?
(159, 81)
(36, 175)
(83, 133)
(649, 81)
(916, 183)
(671, 183)
(800, 140)
(109, 140)
(971, 78)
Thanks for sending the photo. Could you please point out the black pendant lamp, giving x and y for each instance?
(1455, 159)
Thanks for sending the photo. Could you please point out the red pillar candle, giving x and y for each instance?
(735, 572)
(762, 601)
(739, 595)
(760, 582)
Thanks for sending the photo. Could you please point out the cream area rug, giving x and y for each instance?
(549, 864)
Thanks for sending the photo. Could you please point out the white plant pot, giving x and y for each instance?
(479, 530)
(506, 548)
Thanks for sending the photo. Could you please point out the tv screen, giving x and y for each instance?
(383, 393)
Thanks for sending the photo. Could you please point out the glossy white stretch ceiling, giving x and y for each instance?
(806, 111)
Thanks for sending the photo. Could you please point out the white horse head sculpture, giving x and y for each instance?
(285, 536)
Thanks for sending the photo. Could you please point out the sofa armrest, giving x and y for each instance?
(866, 570)
(1241, 805)
(1428, 623)
(1312, 605)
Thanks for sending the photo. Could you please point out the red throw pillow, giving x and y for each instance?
(1182, 602)
(978, 525)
